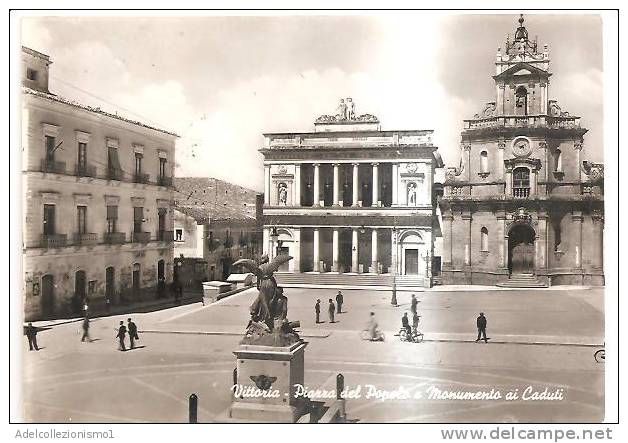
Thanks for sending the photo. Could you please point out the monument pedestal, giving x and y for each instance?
(266, 379)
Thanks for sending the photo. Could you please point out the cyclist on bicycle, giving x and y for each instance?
(405, 324)
(372, 327)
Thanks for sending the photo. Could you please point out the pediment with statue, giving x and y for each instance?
(345, 113)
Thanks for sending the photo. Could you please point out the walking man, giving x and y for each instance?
(413, 304)
(415, 322)
(132, 332)
(317, 309)
(332, 310)
(86, 330)
(481, 323)
(121, 335)
(31, 334)
(339, 301)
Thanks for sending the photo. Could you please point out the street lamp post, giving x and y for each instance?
(427, 267)
(393, 298)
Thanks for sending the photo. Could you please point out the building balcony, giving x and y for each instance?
(85, 170)
(164, 181)
(167, 236)
(53, 166)
(54, 241)
(140, 237)
(85, 239)
(522, 121)
(115, 238)
(140, 178)
(114, 174)
(521, 192)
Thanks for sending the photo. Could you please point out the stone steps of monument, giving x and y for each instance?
(522, 281)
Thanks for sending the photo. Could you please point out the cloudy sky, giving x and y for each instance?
(220, 82)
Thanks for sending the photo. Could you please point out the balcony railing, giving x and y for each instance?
(140, 237)
(53, 166)
(115, 238)
(54, 241)
(114, 174)
(521, 121)
(521, 192)
(167, 236)
(85, 239)
(164, 181)
(140, 178)
(85, 170)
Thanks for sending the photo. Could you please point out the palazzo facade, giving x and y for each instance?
(97, 202)
(523, 206)
(350, 198)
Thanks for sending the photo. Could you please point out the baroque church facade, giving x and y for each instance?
(524, 207)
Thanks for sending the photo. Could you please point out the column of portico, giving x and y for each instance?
(335, 250)
(267, 184)
(354, 251)
(266, 241)
(296, 250)
(375, 184)
(316, 245)
(541, 241)
(355, 184)
(317, 183)
(336, 186)
(395, 184)
(374, 261)
(297, 185)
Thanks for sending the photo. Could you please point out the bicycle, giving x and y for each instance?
(366, 335)
(414, 337)
(600, 356)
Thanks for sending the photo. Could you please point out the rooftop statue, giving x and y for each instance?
(269, 325)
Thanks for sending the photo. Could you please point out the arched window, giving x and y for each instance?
(483, 162)
(484, 239)
(558, 161)
(521, 101)
(521, 182)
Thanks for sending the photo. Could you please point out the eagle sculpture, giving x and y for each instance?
(264, 307)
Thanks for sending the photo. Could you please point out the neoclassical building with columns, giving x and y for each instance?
(350, 198)
(524, 208)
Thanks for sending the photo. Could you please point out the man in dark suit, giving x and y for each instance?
(339, 301)
(481, 324)
(317, 309)
(31, 334)
(132, 328)
(121, 335)
(331, 310)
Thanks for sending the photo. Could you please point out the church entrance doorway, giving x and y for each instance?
(521, 250)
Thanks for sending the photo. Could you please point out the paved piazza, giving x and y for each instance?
(70, 381)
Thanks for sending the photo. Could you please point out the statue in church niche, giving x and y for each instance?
(412, 194)
(342, 110)
(283, 194)
(269, 325)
